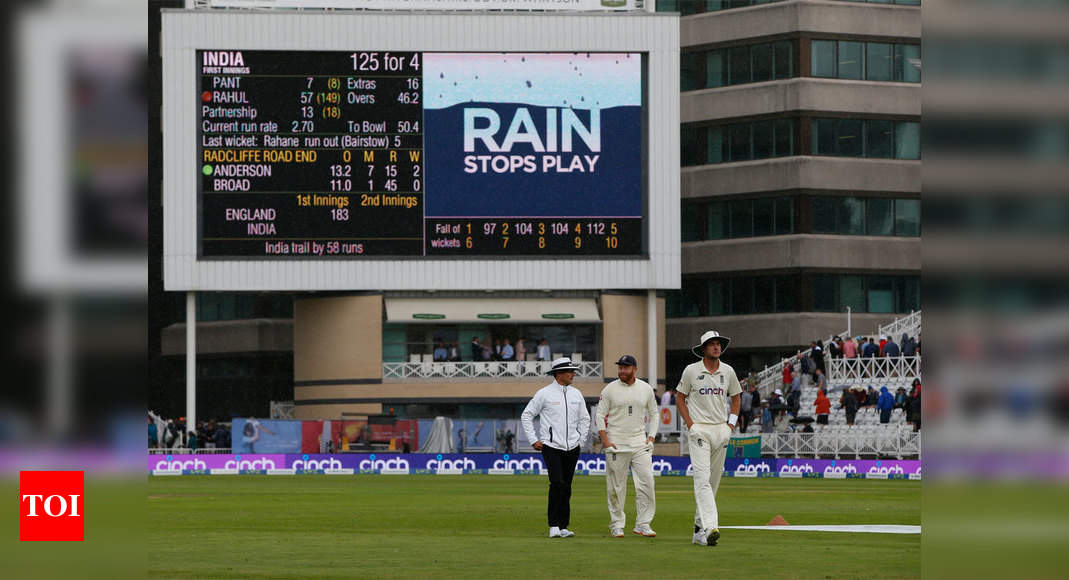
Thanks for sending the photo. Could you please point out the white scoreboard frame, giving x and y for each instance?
(185, 31)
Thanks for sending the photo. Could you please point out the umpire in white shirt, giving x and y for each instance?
(565, 424)
(705, 390)
(626, 408)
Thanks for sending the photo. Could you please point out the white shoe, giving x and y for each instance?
(644, 530)
(554, 532)
(566, 533)
(617, 532)
(699, 538)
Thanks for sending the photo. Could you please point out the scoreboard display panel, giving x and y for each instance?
(316, 154)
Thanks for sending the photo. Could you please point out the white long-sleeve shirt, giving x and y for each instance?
(564, 419)
(625, 412)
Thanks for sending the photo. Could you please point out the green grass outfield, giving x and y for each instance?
(369, 526)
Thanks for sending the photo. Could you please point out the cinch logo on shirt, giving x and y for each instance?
(710, 391)
(51, 504)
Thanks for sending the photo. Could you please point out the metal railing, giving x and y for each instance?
(910, 325)
(847, 369)
(899, 442)
(476, 370)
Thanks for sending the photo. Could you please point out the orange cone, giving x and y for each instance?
(777, 521)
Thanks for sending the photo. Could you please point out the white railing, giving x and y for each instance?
(899, 442)
(910, 325)
(476, 370)
(906, 368)
(187, 451)
(283, 409)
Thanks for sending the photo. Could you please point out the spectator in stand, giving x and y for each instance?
(766, 419)
(745, 408)
(871, 397)
(153, 435)
(193, 441)
(776, 402)
(498, 350)
(885, 403)
(909, 345)
(487, 352)
(805, 367)
(796, 378)
(891, 349)
(850, 347)
(883, 341)
(441, 354)
(222, 436)
(918, 345)
(794, 402)
(848, 401)
(823, 407)
(907, 405)
(819, 380)
(507, 352)
(915, 405)
(454, 352)
(666, 397)
(835, 348)
(870, 348)
(901, 398)
(756, 401)
(521, 350)
(543, 350)
(476, 349)
(788, 375)
(818, 356)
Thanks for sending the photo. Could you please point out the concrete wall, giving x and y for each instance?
(337, 339)
(801, 94)
(231, 336)
(850, 174)
(624, 332)
(819, 16)
(803, 251)
(772, 330)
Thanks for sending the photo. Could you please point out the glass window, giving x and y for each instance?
(907, 140)
(741, 222)
(849, 138)
(783, 59)
(851, 218)
(881, 294)
(824, 293)
(784, 208)
(689, 73)
(691, 222)
(909, 2)
(740, 142)
(714, 69)
(762, 62)
(741, 295)
(878, 61)
(907, 218)
(879, 138)
(823, 58)
(740, 65)
(880, 217)
(714, 145)
(786, 294)
(784, 135)
(716, 221)
(908, 63)
(910, 294)
(692, 295)
(717, 306)
(762, 217)
(825, 212)
(688, 143)
(850, 63)
(762, 140)
(824, 131)
(852, 293)
(764, 294)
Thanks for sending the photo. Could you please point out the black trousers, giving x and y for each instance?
(561, 466)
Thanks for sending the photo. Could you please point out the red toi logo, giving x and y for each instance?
(51, 506)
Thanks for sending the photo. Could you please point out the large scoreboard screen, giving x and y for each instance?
(308, 154)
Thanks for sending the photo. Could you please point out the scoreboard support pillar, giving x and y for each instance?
(651, 336)
(191, 361)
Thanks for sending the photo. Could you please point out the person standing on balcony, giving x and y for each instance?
(626, 408)
(543, 350)
(521, 350)
(823, 407)
(507, 352)
(891, 348)
(885, 404)
(564, 426)
(705, 390)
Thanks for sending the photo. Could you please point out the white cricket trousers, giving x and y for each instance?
(641, 464)
(708, 448)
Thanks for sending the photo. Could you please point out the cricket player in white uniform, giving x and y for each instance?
(702, 398)
(626, 409)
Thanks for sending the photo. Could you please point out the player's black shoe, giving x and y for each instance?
(714, 537)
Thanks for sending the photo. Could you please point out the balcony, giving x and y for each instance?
(481, 370)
